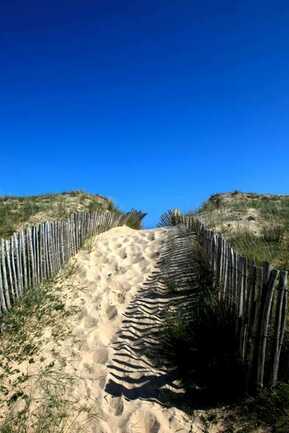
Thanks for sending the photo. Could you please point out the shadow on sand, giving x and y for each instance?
(137, 371)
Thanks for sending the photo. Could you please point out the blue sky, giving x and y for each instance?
(156, 104)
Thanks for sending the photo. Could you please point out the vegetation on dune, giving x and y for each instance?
(17, 212)
(266, 413)
(256, 225)
(270, 407)
(49, 409)
(204, 349)
(36, 400)
(271, 246)
(21, 327)
(202, 345)
(12, 216)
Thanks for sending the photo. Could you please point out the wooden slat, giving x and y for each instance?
(7, 296)
(24, 259)
(280, 324)
(268, 290)
(3, 303)
(32, 257)
(11, 282)
(15, 264)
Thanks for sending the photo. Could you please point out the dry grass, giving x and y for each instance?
(45, 407)
(256, 225)
(17, 212)
(23, 409)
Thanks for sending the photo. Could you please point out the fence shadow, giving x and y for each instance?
(137, 370)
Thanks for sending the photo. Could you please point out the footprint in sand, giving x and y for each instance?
(96, 299)
(90, 322)
(102, 381)
(154, 255)
(123, 254)
(111, 312)
(122, 270)
(116, 406)
(145, 237)
(116, 268)
(151, 237)
(121, 296)
(100, 355)
(144, 422)
(83, 273)
(89, 368)
(82, 313)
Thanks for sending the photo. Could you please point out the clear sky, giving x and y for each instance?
(154, 103)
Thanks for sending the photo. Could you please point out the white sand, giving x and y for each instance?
(108, 276)
(67, 380)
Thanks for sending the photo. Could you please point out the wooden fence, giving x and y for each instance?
(258, 295)
(40, 251)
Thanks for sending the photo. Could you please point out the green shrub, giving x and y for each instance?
(94, 206)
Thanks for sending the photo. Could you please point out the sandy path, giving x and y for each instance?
(108, 275)
(137, 369)
(91, 372)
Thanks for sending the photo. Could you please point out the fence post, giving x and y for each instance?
(280, 323)
(266, 303)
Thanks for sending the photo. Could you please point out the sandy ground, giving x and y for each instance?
(108, 275)
(80, 366)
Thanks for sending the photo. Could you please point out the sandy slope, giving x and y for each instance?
(89, 373)
(120, 262)
(109, 274)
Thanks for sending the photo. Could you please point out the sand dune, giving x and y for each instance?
(109, 274)
(96, 367)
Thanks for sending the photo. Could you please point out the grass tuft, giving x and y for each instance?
(47, 407)
(17, 212)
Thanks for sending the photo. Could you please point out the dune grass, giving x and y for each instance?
(21, 326)
(46, 408)
(204, 349)
(272, 245)
(37, 402)
(16, 212)
(269, 408)
(256, 225)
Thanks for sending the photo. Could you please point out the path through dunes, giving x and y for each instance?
(137, 369)
(118, 292)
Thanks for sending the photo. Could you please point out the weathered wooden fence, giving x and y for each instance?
(40, 251)
(258, 295)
